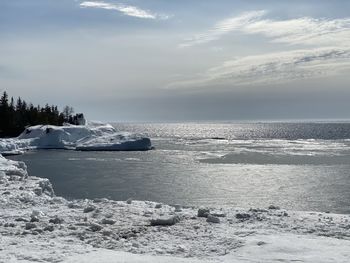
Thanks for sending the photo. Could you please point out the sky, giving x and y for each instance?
(184, 60)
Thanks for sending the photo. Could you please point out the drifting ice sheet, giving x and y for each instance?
(91, 137)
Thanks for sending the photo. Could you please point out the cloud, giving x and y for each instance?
(125, 9)
(275, 67)
(326, 50)
(304, 31)
(223, 27)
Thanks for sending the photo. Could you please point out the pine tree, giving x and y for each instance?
(19, 104)
(4, 100)
(14, 118)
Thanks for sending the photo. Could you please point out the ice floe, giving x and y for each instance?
(90, 137)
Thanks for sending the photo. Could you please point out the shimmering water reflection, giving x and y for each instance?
(198, 168)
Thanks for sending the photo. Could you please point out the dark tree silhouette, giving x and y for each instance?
(15, 117)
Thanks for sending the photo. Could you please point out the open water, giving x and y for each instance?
(301, 166)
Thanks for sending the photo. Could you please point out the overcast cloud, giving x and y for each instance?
(180, 60)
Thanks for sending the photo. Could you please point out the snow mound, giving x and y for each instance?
(9, 147)
(12, 168)
(91, 137)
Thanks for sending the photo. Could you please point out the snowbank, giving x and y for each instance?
(90, 137)
(10, 147)
(37, 226)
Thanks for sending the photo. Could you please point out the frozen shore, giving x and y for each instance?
(90, 137)
(37, 226)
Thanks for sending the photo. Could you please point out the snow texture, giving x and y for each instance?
(37, 226)
(91, 137)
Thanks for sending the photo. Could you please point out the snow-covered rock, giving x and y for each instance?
(213, 219)
(12, 168)
(165, 221)
(91, 137)
(203, 212)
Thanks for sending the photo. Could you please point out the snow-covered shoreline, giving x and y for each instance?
(37, 226)
(90, 137)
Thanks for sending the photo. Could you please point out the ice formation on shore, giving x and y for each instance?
(91, 137)
(37, 226)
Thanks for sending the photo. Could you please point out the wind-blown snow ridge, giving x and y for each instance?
(37, 226)
(91, 137)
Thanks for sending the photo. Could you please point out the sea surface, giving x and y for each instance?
(300, 166)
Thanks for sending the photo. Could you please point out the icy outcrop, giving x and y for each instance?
(91, 137)
(11, 146)
(12, 168)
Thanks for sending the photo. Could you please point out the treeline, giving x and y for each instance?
(15, 116)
